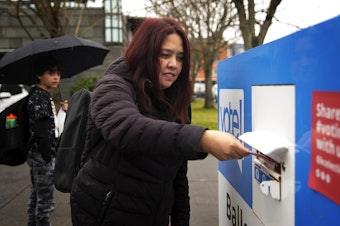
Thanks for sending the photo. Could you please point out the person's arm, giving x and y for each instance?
(180, 214)
(40, 130)
(120, 121)
(223, 146)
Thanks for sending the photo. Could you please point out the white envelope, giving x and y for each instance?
(266, 143)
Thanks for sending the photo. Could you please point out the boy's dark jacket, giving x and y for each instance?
(143, 163)
(41, 122)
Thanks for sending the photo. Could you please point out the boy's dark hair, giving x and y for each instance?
(46, 63)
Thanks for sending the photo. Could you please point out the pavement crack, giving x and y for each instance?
(13, 196)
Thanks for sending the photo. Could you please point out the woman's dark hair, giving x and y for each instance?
(142, 56)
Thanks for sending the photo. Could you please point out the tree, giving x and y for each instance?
(51, 18)
(205, 22)
(255, 18)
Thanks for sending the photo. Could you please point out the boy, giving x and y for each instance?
(43, 141)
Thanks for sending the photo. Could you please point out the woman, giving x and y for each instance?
(140, 114)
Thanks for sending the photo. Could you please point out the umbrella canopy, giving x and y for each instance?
(74, 54)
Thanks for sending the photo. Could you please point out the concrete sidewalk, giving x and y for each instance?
(14, 192)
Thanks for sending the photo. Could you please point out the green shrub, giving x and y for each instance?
(86, 82)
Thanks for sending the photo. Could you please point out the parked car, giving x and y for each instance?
(9, 94)
(214, 91)
(199, 89)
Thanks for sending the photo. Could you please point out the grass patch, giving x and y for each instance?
(203, 117)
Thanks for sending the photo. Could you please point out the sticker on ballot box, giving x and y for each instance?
(260, 175)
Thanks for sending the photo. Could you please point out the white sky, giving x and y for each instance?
(301, 13)
(134, 7)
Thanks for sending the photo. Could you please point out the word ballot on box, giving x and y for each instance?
(282, 100)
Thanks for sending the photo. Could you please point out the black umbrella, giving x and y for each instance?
(75, 55)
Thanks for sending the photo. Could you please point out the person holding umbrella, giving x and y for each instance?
(139, 135)
(43, 140)
(71, 55)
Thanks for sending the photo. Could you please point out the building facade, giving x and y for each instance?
(105, 25)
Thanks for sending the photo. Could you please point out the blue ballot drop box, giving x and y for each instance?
(282, 100)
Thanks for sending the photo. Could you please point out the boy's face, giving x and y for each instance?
(49, 79)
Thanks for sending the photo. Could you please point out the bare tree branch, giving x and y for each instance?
(250, 23)
(206, 22)
(50, 18)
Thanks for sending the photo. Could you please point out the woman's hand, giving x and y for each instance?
(223, 146)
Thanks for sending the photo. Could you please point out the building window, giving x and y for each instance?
(113, 22)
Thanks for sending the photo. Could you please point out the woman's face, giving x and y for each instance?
(171, 60)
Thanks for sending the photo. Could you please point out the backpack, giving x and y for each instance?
(13, 140)
(72, 141)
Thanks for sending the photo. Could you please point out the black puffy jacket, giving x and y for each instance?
(142, 164)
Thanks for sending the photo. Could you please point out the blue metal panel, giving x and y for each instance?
(310, 60)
